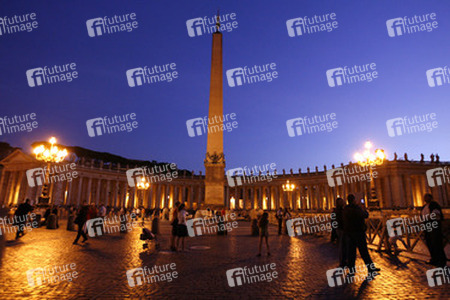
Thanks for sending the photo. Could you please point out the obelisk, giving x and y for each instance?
(215, 159)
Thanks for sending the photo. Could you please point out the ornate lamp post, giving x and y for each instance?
(370, 159)
(142, 185)
(49, 155)
(289, 188)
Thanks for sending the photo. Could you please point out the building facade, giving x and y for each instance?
(399, 183)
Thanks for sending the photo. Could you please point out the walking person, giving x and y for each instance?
(80, 220)
(182, 226)
(339, 214)
(20, 217)
(279, 216)
(354, 216)
(174, 224)
(434, 238)
(263, 225)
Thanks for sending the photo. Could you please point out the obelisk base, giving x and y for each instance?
(214, 185)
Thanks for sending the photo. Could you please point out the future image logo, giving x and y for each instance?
(351, 75)
(438, 76)
(309, 25)
(95, 227)
(438, 276)
(245, 175)
(335, 277)
(394, 227)
(50, 75)
(350, 174)
(148, 75)
(135, 277)
(410, 25)
(18, 23)
(51, 274)
(208, 25)
(438, 176)
(146, 275)
(309, 125)
(18, 123)
(199, 126)
(109, 125)
(253, 74)
(35, 177)
(409, 125)
(54, 174)
(201, 226)
(110, 25)
(254, 274)
(134, 176)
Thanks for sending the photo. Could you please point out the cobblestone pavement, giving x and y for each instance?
(102, 263)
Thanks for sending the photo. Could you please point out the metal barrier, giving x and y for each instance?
(411, 241)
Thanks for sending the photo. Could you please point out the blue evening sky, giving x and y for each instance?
(262, 109)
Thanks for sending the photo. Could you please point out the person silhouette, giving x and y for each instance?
(434, 237)
(355, 235)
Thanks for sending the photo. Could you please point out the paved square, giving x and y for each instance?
(102, 263)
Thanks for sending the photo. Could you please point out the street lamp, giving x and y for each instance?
(288, 188)
(142, 185)
(50, 155)
(370, 159)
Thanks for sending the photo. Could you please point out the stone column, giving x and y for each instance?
(310, 197)
(175, 194)
(158, 196)
(24, 188)
(11, 180)
(2, 179)
(124, 193)
(320, 195)
(183, 193)
(108, 188)
(260, 196)
(116, 193)
(97, 192)
(89, 191)
(149, 198)
(200, 196)
(20, 176)
(70, 193)
(80, 187)
(244, 198)
(409, 193)
(398, 191)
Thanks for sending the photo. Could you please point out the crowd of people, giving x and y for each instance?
(350, 231)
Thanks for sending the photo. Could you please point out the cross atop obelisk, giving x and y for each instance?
(215, 159)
